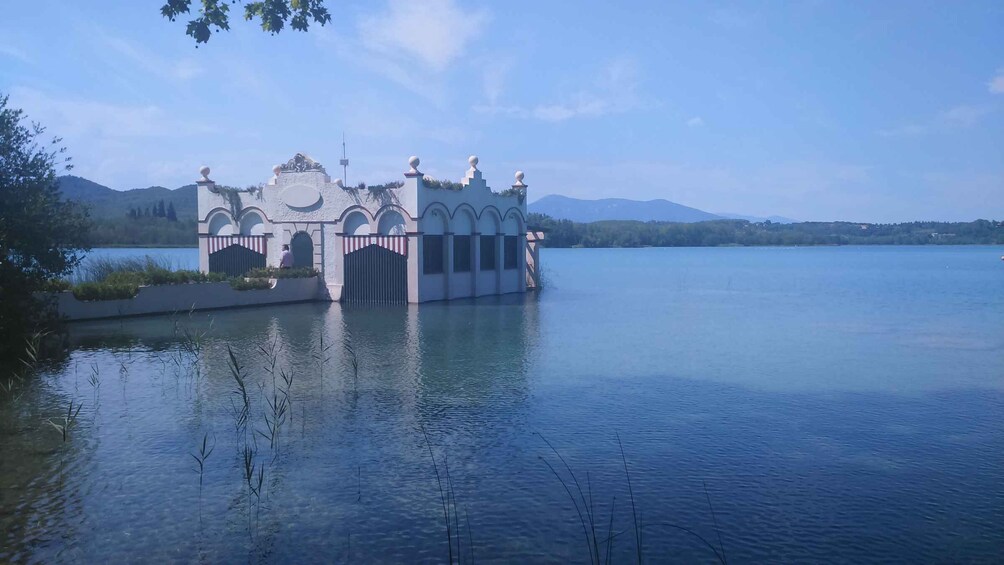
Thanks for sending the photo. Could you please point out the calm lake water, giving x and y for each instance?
(838, 404)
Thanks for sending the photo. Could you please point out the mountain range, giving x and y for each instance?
(109, 204)
(579, 210)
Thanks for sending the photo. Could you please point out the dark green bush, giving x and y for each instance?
(250, 284)
(104, 291)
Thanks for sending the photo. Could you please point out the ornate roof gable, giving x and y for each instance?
(301, 163)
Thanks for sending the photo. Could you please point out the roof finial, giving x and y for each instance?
(204, 171)
(519, 180)
(413, 162)
(473, 160)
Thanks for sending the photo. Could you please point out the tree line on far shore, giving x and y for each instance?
(565, 233)
(156, 211)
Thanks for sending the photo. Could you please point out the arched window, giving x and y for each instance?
(252, 224)
(510, 246)
(220, 224)
(489, 227)
(463, 249)
(302, 246)
(356, 224)
(392, 223)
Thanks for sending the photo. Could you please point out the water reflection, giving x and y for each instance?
(349, 467)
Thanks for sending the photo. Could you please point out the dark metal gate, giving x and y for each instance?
(375, 273)
(236, 255)
(302, 247)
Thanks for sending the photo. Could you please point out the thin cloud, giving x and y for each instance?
(996, 84)
(180, 70)
(434, 33)
(616, 94)
(695, 122)
(89, 119)
(15, 53)
(959, 117)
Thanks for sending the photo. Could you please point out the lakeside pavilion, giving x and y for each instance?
(414, 240)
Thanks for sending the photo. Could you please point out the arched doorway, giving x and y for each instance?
(302, 247)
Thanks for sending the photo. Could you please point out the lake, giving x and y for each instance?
(837, 404)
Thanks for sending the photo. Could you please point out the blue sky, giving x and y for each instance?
(820, 110)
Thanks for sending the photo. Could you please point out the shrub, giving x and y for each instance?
(430, 182)
(274, 273)
(250, 284)
(57, 285)
(119, 278)
(104, 291)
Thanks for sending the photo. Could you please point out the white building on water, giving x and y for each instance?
(410, 241)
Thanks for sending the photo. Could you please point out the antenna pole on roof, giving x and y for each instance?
(344, 163)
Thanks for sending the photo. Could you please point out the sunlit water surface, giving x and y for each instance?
(839, 404)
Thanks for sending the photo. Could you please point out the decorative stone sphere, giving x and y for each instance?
(204, 171)
(473, 160)
(519, 177)
(413, 161)
(276, 170)
(339, 184)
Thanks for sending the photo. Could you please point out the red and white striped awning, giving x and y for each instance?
(396, 243)
(253, 242)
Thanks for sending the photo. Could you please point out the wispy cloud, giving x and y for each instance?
(179, 70)
(90, 120)
(996, 84)
(616, 92)
(433, 33)
(14, 53)
(958, 117)
(695, 122)
(964, 116)
(176, 71)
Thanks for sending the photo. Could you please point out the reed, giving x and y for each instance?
(451, 514)
(205, 450)
(68, 420)
(583, 503)
(353, 364)
(241, 407)
(275, 417)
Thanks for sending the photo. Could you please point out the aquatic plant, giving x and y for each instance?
(94, 379)
(242, 407)
(275, 417)
(588, 521)
(451, 516)
(27, 365)
(254, 482)
(68, 420)
(200, 458)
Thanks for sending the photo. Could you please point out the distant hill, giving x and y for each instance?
(113, 225)
(106, 203)
(578, 210)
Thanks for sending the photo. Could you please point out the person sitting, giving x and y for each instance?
(286, 260)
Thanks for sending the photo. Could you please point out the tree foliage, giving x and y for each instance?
(272, 15)
(565, 233)
(42, 236)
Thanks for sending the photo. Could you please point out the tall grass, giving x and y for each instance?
(97, 269)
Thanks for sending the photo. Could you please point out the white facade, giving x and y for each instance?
(301, 198)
